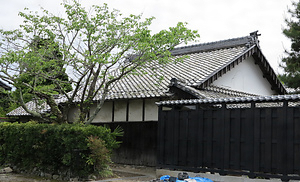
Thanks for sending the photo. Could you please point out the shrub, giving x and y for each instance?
(82, 149)
(99, 156)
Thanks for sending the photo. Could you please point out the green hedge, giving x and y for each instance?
(57, 148)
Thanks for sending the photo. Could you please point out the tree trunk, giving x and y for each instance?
(98, 108)
(83, 115)
(59, 118)
(94, 114)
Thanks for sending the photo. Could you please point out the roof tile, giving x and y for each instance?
(202, 62)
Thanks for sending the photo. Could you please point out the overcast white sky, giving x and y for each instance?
(214, 19)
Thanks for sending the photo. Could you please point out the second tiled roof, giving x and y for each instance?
(192, 71)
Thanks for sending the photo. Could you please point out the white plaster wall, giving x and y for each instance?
(246, 77)
(135, 110)
(105, 114)
(120, 110)
(151, 110)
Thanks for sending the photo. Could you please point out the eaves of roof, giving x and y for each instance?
(268, 71)
(211, 92)
(185, 88)
(277, 98)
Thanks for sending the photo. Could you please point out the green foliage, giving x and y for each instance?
(40, 66)
(40, 69)
(43, 68)
(291, 63)
(100, 155)
(4, 102)
(52, 148)
(96, 45)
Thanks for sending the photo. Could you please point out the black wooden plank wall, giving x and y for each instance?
(139, 143)
(251, 141)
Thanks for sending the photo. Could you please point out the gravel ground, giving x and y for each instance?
(12, 177)
(127, 173)
(124, 177)
(122, 173)
(129, 177)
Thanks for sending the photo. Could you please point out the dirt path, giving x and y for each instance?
(12, 177)
(125, 176)
(122, 173)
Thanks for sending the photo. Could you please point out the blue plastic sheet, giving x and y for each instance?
(198, 179)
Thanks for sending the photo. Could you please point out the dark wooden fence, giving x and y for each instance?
(138, 145)
(254, 139)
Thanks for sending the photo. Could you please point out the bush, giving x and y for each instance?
(82, 149)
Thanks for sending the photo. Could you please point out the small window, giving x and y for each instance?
(269, 104)
(294, 104)
(242, 105)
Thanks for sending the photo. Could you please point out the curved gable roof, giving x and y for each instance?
(194, 70)
(259, 58)
(205, 63)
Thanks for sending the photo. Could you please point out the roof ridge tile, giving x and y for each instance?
(247, 40)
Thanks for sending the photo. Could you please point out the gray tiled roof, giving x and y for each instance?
(208, 92)
(192, 71)
(219, 92)
(204, 62)
(32, 105)
(244, 41)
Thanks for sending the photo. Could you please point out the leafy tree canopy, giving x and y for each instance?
(30, 78)
(51, 63)
(94, 44)
(291, 63)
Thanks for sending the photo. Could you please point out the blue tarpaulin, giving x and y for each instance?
(168, 178)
